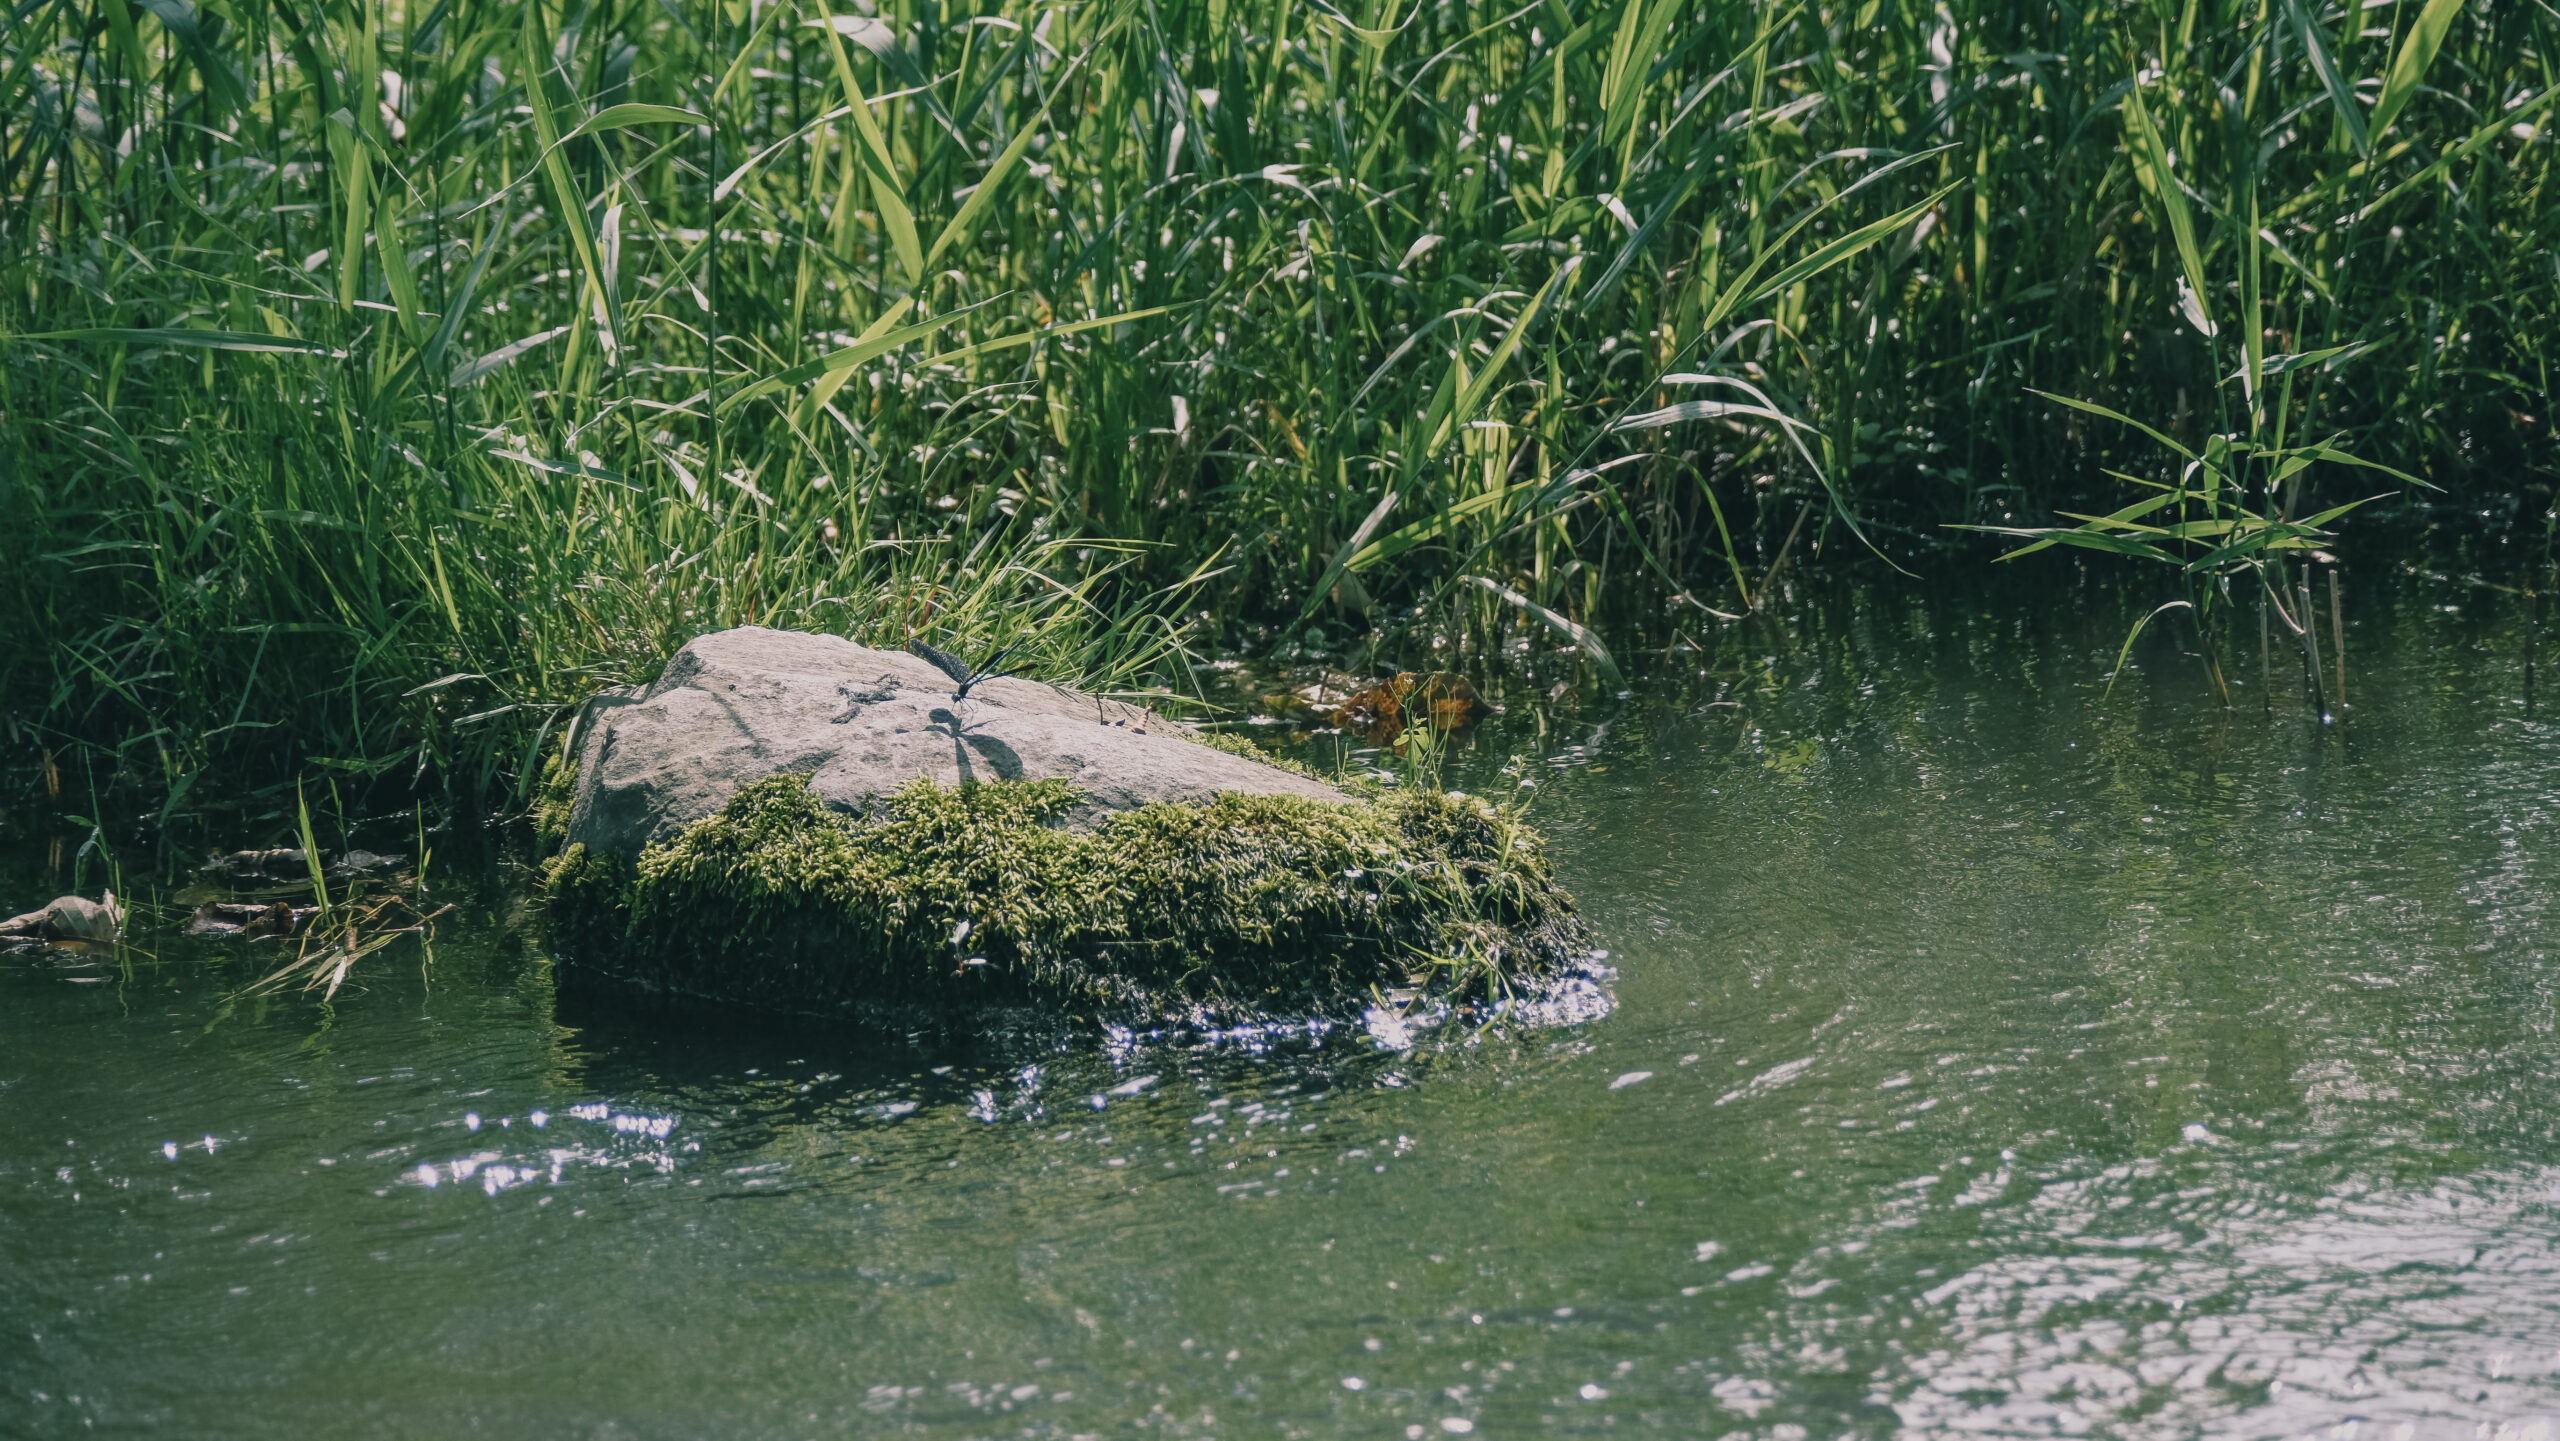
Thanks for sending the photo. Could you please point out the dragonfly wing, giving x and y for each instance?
(943, 661)
(993, 666)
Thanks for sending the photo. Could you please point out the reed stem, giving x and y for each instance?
(2309, 630)
(2266, 660)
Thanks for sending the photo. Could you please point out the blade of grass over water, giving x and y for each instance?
(311, 851)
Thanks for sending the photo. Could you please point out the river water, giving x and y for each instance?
(1990, 1055)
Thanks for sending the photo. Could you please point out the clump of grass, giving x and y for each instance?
(386, 377)
(2234, 510)
(943, 900)
(331, 949)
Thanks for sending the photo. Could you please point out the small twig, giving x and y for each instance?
(2311, 650)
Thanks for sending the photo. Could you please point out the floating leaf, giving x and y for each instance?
(1381, 714)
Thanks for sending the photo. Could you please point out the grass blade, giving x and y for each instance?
(2342, 94)
(1580, 635)
(2409, 67)
(2151, 167)
(194, 340)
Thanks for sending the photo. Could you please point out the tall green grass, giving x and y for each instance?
(353, 348)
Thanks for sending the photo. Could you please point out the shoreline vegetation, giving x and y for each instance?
(382, 379)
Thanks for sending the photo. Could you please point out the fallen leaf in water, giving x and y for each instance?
(1294, 706)
(226, 918)
(70, 918)
(1443, 700)
(209, 920)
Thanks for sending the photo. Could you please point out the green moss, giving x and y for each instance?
(1236, 744)
(1247, 900)
(552, 800)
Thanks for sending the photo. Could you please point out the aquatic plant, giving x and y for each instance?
(338, 938)
(943, 900)
(2232, 511)
(383, 377)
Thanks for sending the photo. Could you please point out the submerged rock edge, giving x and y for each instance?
(942, 901)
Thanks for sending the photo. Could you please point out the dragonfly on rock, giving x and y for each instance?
(961, 672)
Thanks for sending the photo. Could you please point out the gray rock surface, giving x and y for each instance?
(740, 705)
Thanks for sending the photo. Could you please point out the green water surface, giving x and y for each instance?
(1988, 1057)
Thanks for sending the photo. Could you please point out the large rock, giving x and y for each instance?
(786, 822)
(740, 705)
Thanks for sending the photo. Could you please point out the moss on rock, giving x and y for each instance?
(552, 800)
(1248, 901)
(1237, 745)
